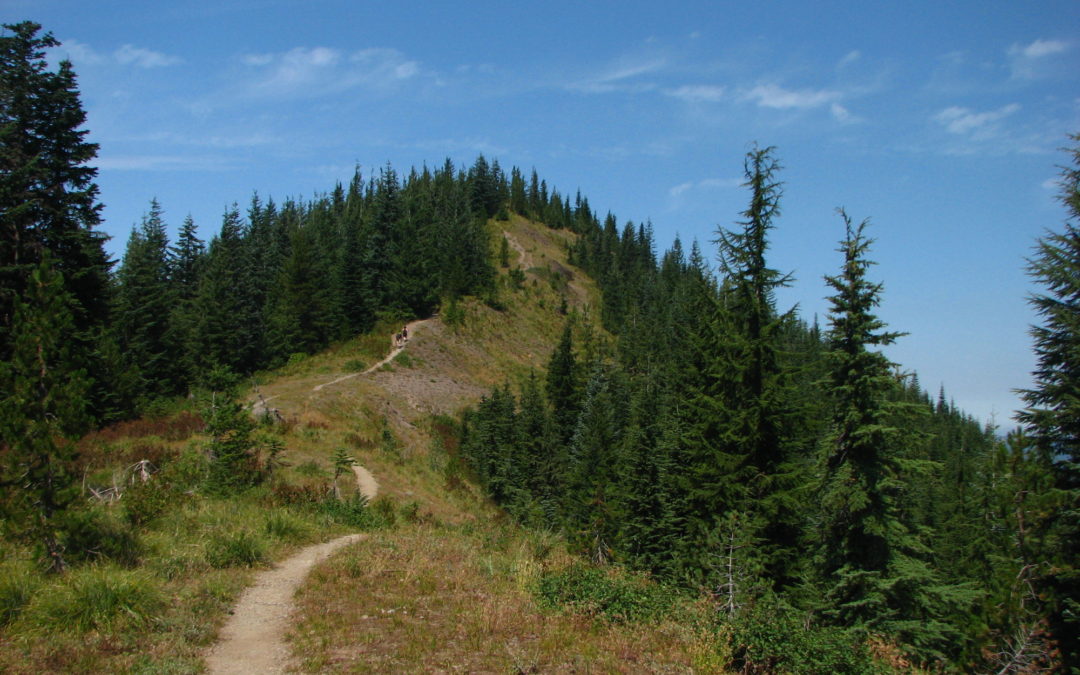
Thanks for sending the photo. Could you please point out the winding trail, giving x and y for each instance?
(365, 482)
(252, 640)
(525, 262)
(394, 351)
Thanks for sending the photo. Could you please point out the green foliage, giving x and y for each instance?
(18, 583)
(240, 548)
(98, 597)
(774, 639)
(454, 314)
(517, 281)
(286, 527)
(356, 511)
(144, 501)
(1052, 417)
(232, 449)
(94, 535)
(48, 199)
(355, 366)
(609, 593)
(42, 409)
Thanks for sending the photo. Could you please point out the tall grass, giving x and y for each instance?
(18, 581)
(100, 597)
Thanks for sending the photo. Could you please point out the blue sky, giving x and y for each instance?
(940, 122)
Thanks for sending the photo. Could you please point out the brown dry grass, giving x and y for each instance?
(445, 600)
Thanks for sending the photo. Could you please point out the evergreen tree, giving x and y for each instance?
(739, 422)
(48, 197)
(219, 328)
(1052, 417)
(42, 411)
(144, 299)
(563, 385)
(870, 561)
(186, 258)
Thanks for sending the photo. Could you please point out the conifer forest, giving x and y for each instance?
(689, 428)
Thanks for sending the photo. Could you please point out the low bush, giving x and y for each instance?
(143, 501)
(773, 639)
(97, 535)
(236, 549)
(352, 511)
(609, 593)
(285, 527)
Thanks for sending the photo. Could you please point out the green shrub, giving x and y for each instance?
(97, 597)
(145, 501)
(235, 549)
(18, 581)
(355, 366)
(352, 511)
(608, 593)
(94, 535)
(282, 525)
(775, 639)
(312, 469)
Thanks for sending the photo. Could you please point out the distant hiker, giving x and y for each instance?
(397, 340)
(405, 333)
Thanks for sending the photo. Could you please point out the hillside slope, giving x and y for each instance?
(442, 369)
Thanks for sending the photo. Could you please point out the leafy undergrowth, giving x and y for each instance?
(430, 598)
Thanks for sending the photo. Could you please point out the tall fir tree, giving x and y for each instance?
(145, 297)
(739, 421)
(871, 562)
(43, 408)
(48, 196)
(1052, 415)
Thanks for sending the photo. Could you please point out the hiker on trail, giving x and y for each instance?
(397, 340)
(405, 333)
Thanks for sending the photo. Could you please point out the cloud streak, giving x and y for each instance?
(83, 54)
(1029, 61)
(313, 71)
(966, 122)
(779, 98)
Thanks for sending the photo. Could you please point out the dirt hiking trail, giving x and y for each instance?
(252, 640)
(394, 351)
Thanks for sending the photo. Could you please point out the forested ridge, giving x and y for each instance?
(825, 503)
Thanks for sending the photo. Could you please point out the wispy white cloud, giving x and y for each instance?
(704, 184)
(144, 58)
(775, 96)
(318, 70)
(164, 163)
(621, 77)
(964, 121)
(849, 58)
(1028, 61)
(697, 93)
(1040, 48)
(82, 54)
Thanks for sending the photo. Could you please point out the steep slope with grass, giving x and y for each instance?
(385, 411)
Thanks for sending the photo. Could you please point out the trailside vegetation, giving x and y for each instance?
(831, 513)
